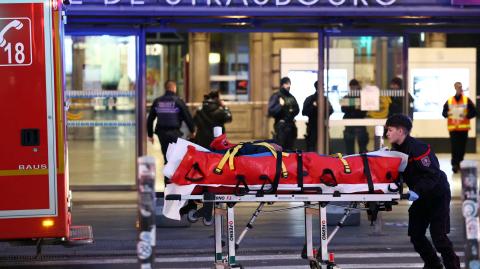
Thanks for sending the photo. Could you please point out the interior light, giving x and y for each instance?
(48, 223)
(214, 58)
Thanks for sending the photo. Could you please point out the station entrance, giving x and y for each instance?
(118, 64)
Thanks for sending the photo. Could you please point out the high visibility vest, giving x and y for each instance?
(457, 116)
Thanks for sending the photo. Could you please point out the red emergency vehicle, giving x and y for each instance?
(34, 189)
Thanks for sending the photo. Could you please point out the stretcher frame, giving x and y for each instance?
(319, 261)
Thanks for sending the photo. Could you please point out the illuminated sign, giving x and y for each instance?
(466, 2)
(227, 3)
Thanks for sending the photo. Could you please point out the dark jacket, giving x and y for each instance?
(170, 111)
(471, 111)
(211, 114)
(287, 111)
(396, 107)
(423, 174)
(350, 109)
(310, 109)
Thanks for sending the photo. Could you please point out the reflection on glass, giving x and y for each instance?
(101, 78)
(229, 65)
(433, 86)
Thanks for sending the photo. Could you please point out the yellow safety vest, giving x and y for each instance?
(457, 114)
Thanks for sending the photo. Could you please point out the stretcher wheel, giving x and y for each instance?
(315, 265)
(208, 222)
(191, 216)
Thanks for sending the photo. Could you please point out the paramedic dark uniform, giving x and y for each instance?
(170, 111)
(283, 107)
(432, 209)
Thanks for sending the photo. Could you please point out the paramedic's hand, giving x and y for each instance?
(412, 196)
(150, 139)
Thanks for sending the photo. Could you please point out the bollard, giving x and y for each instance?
(470, 200)
(146, 212)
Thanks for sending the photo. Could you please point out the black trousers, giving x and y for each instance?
(285, 134)
(167, 136)
(458, 142)
(433, 212)
(361, 135)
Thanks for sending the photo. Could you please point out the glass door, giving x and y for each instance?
(364, 85)
(101, 81)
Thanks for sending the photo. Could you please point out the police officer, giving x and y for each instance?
(310, 109)
(430, 193)
(350, 105)
(283, 107)
(170, 111)
(213, 112)
(458, 110)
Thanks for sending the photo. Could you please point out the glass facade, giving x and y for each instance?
(362, 68)
(229, 65)
(101, 83)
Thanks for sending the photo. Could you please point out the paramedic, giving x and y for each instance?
(458, 109)
(170, 111)
(430, 193)
(310, 109)
(283, 107)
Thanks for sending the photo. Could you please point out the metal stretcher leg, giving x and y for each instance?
(309, 212)
(231, 237)
(218, 215)
(250, 224)
(348, 210)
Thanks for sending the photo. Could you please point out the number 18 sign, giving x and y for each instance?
(15, 41)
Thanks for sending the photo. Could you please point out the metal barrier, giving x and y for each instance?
(470, 213)
(146, 212)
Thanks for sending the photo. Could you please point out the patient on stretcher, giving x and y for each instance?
(262, 168)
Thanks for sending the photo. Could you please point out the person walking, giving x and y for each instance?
(212, 113)
(430, 193)
(458, 110)
(170, 111)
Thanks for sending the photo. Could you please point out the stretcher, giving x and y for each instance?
(314, 204)
(195, 170)
(224, 178)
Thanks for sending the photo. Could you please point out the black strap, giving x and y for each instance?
(331, 181)
(300, 169)
(192, 174)
(366, 171)
(278, 172)
(241, 191)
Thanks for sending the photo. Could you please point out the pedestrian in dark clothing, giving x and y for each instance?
(430, 193)
(396, 106)
(283, 107)
(458, 109)
(350, 105)
(310, 109)
(170, 111)
(212, 113)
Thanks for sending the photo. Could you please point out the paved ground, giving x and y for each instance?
(275, 242)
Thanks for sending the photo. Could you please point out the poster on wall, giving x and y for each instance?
(433, 86)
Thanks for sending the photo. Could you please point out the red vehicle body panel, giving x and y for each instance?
(33, 183)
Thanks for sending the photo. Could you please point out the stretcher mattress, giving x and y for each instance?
(192, 168)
